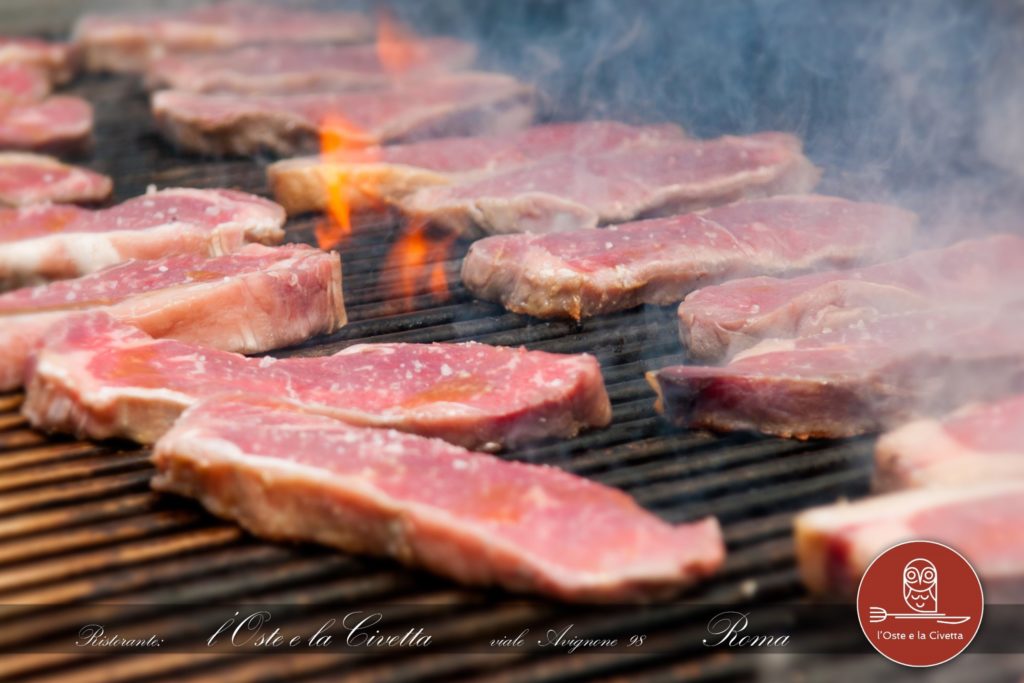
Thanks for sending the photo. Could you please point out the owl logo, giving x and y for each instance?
(921, 586)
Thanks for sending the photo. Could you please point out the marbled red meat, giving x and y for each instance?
(718, 321)
(129, 41)
(455, 104)
(53, 242)
(257, 299)
(836, 543)
(33, 179)
(58, 60)
(299, 67)
(860, 379)
(583, 191)
(95, 376)
(373, 176)
(58, 123)
(588, 272)
(980, 442)
(285, 474)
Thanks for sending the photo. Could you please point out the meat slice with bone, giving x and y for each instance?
(373, 176)
(290, 67)
(98, 377)
(34, 178)
(980, 442)
(582, 273)
(58, 60)
(860, 379)
(718, 321)
(456, 104)
(53, 242)
(58, 124)
(257, 299)
(583, 191)
(22, 83)
(128, 42)
(836, 543)
(285, 474)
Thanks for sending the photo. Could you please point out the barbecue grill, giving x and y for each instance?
(79, 522)
(79, 525)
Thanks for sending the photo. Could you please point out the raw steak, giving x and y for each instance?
(373, 176)
(58, 60)
(296, 67)
(719, 321)
(588, 272)
(257, 299)
(980, 442)
(856, 380)
(836, 543)
(33, 178)
(583, 191)
(285, 474)
(98, 377)
(59, 124)
(54, 242)
(457, 104)
(128, 42)
(22, 83)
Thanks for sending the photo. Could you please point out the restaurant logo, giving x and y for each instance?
(920, 603)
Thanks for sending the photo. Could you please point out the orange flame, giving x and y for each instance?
(417, 258)
(396, 44)
(336, 135)
(397, 50)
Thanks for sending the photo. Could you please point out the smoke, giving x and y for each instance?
(914, 102)
(907, 101)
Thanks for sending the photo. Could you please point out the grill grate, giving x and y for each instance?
(78, 523)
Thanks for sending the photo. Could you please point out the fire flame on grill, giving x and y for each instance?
(336, 135)
(418, 258)
(396, 44)
(396, 48)
(415, 264)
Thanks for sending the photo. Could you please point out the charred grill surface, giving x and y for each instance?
(78, 523)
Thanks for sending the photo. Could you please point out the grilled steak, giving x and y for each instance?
(256, 299)
(588, 272)
(719, 321)
(285, 474)
(98, 377)
(58, 60)
(836, 543)
(296, 67)
(32, 179)
(128, 42)
(58, 124)
(980, 442)
(22, 83)
(856, 380)
(53, 242)
(582, 191)
(457, 104)
(373, 176)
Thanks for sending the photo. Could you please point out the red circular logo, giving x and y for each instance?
(920, 603)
